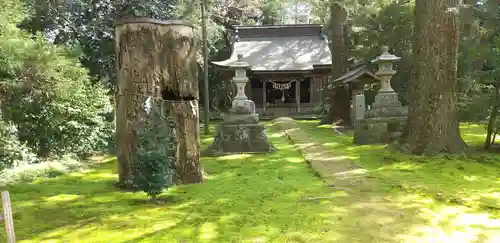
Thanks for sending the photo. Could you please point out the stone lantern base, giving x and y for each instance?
(240, 132)
(384, 123)
(378, 130)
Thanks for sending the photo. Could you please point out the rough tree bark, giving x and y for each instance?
(157, 58)
(432, 125)
(492, 121)
(340, 105)
(468, 17)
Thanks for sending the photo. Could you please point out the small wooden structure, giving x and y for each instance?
(157, 59)
(289, 65)
(7, 218)
(357, 77)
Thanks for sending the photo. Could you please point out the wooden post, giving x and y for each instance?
(264, 92)
(297, 94)
(322, 91)
(7, 218)
(152, 53)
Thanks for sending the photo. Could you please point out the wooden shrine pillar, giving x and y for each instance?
(316, 89)
(264, 94)
(297, 94)
(157, 59)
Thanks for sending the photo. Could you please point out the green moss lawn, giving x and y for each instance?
(276, 198)
(245, 199)
(452, 198)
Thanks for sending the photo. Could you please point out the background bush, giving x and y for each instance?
(48, 103)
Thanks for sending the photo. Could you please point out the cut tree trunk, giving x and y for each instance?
(185, 117)
(432, 125)
(157, 59)
(340, 105)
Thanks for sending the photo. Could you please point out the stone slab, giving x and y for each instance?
(381, 130)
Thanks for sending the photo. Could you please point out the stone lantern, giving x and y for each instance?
(240, 77)
(385, 69)
(385, 122)
(386, 102)
(241, 102)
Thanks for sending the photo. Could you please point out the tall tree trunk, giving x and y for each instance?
(157, 59)
(432, 125)
(492, 121)
(468, 18)
(340, 105)
(469, 31)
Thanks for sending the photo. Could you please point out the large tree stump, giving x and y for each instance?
(157, 59)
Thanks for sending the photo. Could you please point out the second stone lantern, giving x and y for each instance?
(386, 102)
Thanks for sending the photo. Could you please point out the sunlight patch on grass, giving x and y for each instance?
(275, 135)
(101, 176)
(62, 198)
(294, 160)
(207, 140)
(208, 231)
(235, 157)
(455, 224)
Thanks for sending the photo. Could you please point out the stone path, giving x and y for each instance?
(337, 171)
(371, 216)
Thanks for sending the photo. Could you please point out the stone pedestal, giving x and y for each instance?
(240, 132)
(378, 130)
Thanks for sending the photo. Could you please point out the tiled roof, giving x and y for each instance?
(294, 53)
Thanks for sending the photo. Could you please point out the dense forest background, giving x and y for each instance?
(57, 73)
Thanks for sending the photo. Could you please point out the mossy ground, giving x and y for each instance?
(433, 199)
(276, 198)
(246, 198)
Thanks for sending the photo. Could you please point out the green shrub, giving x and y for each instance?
(48, 95)
(13, 153)
(153, 171)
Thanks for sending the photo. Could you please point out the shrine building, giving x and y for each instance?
(289, 65)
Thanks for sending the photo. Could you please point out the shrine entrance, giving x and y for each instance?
(288, 66)
(284, 96)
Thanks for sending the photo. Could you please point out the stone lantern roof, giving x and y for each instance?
(239, 63)
(386, 56)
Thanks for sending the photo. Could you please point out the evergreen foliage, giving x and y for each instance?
(48, 104)
(153, 170)
(13, 152)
